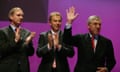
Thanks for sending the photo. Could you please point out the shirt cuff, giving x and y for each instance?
(68, 26)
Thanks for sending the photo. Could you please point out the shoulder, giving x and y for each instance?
(80, 35)
(44, 33)
(105, 38)
(4, 30)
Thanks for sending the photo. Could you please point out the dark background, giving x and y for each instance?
(34, 10)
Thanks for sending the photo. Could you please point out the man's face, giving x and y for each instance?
(17, 17)
(94, 27)
(55, 23)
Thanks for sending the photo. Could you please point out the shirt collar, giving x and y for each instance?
(55, 32)
(13, 27)
(95, 37)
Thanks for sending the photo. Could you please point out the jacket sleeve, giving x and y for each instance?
(28, 48)
(69, 39)
(66, 50)
(8, 46)
(110, 59)
(42, 49)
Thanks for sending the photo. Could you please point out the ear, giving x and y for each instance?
(88, 26)
(49, 22)
(11, 17)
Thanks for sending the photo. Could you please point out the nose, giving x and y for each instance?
(98, 25)
(21, 17)
(58, 22)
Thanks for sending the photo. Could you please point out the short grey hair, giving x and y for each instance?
(93, 17)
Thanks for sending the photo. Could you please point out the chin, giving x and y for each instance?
(57, 29)
(96, 33)
(18, 24)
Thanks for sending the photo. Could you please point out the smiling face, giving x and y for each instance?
(55, 21)
(94, 25)
(16, 16)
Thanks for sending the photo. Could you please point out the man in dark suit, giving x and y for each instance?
(51, 48)
(95, 52)
(15, 44)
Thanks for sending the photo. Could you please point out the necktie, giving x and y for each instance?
(92, 41)
(17, 34)
(17, 29)
(54, 62)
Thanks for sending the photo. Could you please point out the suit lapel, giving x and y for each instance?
(24, 34)
(98, 46)
(60, 37)
(46, 35)
(88, 40)
(11, 33)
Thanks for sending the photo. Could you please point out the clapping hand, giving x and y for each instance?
(30, 37)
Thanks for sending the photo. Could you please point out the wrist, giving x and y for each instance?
(69, 21)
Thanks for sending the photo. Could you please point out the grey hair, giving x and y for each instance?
(93, 17)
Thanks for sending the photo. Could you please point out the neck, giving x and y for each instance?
(15, 25)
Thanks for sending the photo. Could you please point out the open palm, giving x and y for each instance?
(71, 15)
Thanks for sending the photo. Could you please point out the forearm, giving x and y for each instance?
(8, 47)
(43, 50)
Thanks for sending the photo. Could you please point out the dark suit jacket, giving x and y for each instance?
(88, 60)
(48, 55)
(14, 55)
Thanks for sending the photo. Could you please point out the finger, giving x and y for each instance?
(73, 9)
(49, 36)
(33, 34)
(100, 70)
(97, 71)
(99, 67)
(76, 15)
